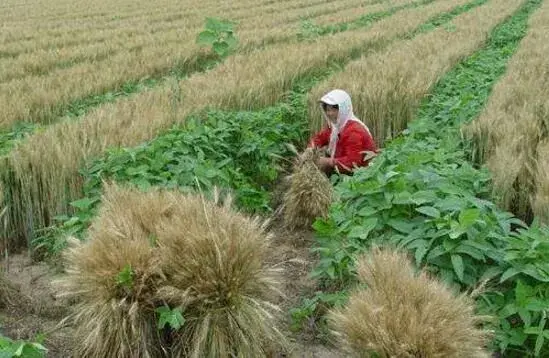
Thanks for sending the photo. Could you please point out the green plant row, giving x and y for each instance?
(241, 152)
(422, 194)
(53, 238)
(309, 30)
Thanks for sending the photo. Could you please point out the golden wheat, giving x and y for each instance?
(510, 135)
(44, 168)
(182, 250)
(309, 195)
(387, 87)
(27, 37)
(406, 315)
(32, 57)
(350, 14)
(39, 98)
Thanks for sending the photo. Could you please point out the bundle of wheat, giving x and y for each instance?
(113, 276)
(310, 192)
(214, 259)
(401, 314)
(157, 248)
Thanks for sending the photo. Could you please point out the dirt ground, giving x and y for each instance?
(38, 311)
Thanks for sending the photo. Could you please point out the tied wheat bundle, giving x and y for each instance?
(401, 314)
(309, 194)
(151, 249)
(113, 277)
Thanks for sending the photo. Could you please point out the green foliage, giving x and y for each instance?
(240, 152)
(443, 18)
(522, 302)
(25, 349)
(124, 279)
(422, 194)
(309, 314)
(309, 30)
(17, 132)
(173, 318)
(219, 34)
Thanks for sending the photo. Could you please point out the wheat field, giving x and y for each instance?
(82, 82)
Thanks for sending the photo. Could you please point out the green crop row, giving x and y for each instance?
(423, 195)
(239, 152)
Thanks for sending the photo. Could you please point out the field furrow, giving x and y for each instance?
(46, 164)
(388, 87)
(512, 133)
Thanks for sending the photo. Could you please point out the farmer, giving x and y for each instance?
(350, 143)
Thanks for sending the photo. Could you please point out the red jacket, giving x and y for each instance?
(353, 140)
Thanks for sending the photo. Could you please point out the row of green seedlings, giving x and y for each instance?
(220, 36)
(241, 152)
(309, 30)
(423, 195)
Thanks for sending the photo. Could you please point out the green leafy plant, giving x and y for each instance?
(309, 30)
(124, 279)
(219, 34)
(309, 315)
(238, 152)
(172, 318)
(26, 349)
(421, 193)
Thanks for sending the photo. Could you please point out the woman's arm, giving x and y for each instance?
(321, 139)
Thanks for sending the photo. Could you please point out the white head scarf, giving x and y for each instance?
(343, 100)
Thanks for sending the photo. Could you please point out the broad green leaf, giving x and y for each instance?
(231, 41)
(403, 226)
(517, 336)
(221, 48)
(508, 274)
(537, 305)
(429, 211)
(436, 252)
(173, 318)
(362, 231)
(83, 204)
(522, 293)
(475, 253)
(468, 217)
(508, 310)
(420, 252)
(525, 316)
(330, 271)
(457, 263)
(491, 273)
(367, 211)
(125, 277)
(206, 37)
(423, 197)
(402, 197)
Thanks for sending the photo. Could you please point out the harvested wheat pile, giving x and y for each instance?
(401, 314)
(309, 195)
(164, 248)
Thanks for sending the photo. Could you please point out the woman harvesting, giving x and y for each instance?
(347, 138)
